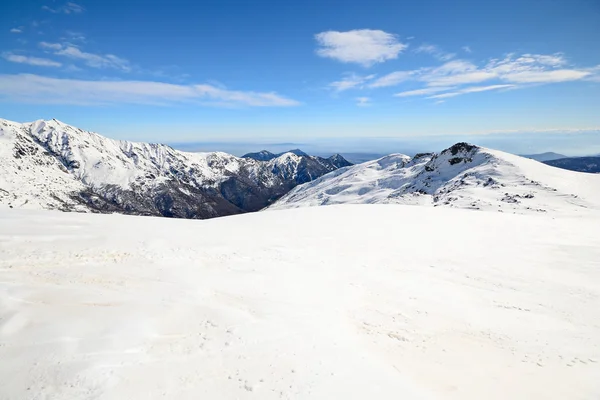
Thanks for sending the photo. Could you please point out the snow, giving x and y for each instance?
(471, 177)
(340, 302)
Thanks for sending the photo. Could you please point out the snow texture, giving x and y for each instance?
(340, 302)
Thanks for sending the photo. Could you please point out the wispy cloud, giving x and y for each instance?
(16, 30)
(435, 51)
(40, 89)
(364, 46)
(392, 79)
(424, 91)
(472, 89)
(90, 59)
(351, 81)
(467, 49)
(51, 46)
(68, 8)
(457, 76)
(363, 101)
(38, 62)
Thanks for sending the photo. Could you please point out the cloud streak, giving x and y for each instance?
(351, 81)
(68, 8)
(44, 90)
(472, 89)
(458, 77)
(435, 51)
(90, 59)
(364, 46)
(35, 61)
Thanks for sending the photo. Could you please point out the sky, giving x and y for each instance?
(522, 75)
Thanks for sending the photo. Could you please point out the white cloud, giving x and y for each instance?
(351, 81)
(365, 46)
(90, 59)
(363, 101)
(467, 49)
(16, 30)
(38, 62)
(40, 89)
(68, 8)
(561, 75)
(424, 91)
(458, 75)
(435, 51)
(51, 46)
(472, 89)
(458, 79)
(392, 79)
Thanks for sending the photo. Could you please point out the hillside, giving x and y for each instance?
(463, 176)
(52, 165)
(333, 302)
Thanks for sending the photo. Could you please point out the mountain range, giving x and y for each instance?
(49, 164)
(463, 176)
(52, 165)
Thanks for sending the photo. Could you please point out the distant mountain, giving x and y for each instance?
(331, 163)
(463, 176)
(52, 165)
(265, 155)
(545, 156)
(262, 155)
(579, 164)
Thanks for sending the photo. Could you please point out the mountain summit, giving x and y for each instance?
(464, 176)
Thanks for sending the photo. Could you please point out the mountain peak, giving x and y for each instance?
(461, 147)
(463, 176)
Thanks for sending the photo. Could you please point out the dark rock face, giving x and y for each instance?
(461, 147)
(422, 155)
(338, 161)
(579, 164)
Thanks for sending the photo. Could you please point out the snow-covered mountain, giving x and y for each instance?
(49, 164)
(463, 176)
(317, 163)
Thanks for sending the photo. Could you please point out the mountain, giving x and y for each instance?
(49, 164)
(463, 176)
(580, 164)
(331, 163)
(265, 155)
(339, 302)
(544, 156)
(262, 155)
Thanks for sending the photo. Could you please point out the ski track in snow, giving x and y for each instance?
(346, 302)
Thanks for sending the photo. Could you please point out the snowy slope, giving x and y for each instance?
(30, 177)
(463, 176)
(69, 168)
(354, 302)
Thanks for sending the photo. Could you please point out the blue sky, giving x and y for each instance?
(308, 71)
